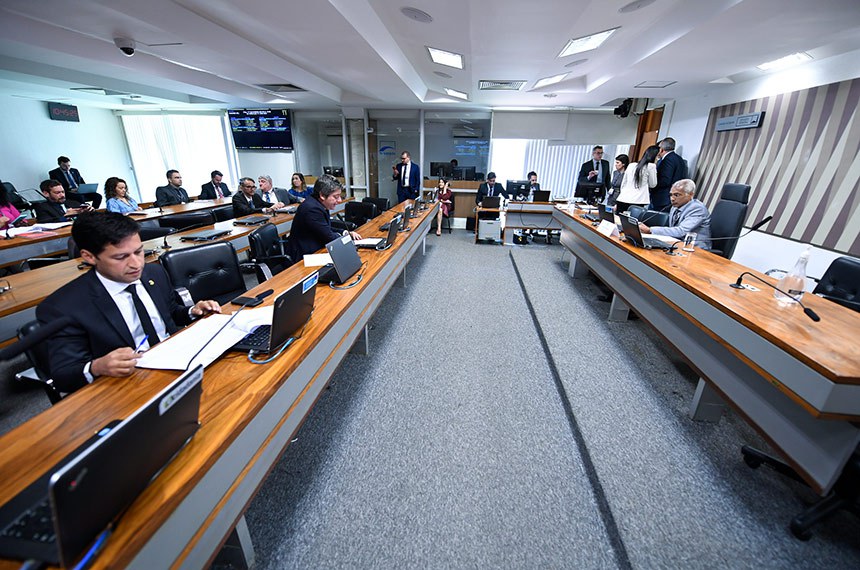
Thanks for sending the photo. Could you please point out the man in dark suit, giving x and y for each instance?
(595, 174)
(57, 208)
(311, 228)
(269, 193)
(71, 178)
(670, 169)
(172, 194)
(214, 189)
(246, 201)
(408, 178)
(121, 306)
(490, 188)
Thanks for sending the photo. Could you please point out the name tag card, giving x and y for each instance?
(608, 229)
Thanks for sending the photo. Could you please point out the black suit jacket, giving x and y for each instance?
(484, 191)
(588, 167)
(60, 176)
(97, 326)
(208, 191)
(48, 212)
(670, 169)
(170, 196)
(242, 208)
(311, 229)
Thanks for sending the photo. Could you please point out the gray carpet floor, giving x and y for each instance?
(531, 434)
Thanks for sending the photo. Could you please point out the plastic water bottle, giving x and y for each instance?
(794, 282)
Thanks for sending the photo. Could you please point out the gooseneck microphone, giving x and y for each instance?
(738, 285)
(756, 226)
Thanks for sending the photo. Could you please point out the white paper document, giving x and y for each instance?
(176, 352)
(37, 228)
(317, 259)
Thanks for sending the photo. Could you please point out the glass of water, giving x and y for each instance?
(689, 241)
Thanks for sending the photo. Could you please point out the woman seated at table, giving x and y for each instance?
(638, 178)
(298, 188)
(443, 196)
(8, 212)
(118, 200)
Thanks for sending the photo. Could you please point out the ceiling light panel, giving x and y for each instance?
(447, 58)
(587, 43)
(654, 84)
(457, 94)
(786, 61)
(549, 80)
(501, 84)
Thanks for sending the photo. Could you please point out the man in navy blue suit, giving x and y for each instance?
(670, 169)
(120, 307)
(408, 178)
(311, 228)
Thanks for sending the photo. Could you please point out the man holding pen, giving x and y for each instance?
(118, 309)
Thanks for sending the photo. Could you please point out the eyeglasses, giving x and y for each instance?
(249, 186)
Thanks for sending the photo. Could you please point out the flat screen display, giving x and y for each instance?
(261, 129)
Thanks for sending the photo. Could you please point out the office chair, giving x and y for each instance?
(223, 213)
(727, 218)
(208, 271)
(267, 252)
(449, 216)
(183, 221)
(382, 204)
(359, 213)
(38, 357)
(840, 282)
(636, 212)
(147, 232)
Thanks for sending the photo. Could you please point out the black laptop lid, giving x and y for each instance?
(541, 196)
(292, 310)
(90, 491)
(344, 256)
(407, 213)
(491, 202)
(393, 228)
(630, 227)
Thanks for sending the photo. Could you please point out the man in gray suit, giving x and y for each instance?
(687, 215)
(274, 195)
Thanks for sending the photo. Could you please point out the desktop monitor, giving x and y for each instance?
(338, 172)
(517, 188)
(464, 173)
(441, 169)
(593, 192)
(328, 170)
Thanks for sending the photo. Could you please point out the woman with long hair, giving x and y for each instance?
(443, 196)
(621, 162)
(638, 178)
(118, 200)
(8, 212)
(298, 188)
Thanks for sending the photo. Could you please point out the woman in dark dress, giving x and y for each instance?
(443, 196)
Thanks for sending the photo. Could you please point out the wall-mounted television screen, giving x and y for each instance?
(261, 129)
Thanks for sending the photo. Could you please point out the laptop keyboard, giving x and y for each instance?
(34, 524)
(259, 338)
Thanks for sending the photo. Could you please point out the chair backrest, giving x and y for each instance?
(653, 218)
(451, 206)
(735, 192)
(74, 250)
(148, 232)
(208, 271)
(727, 219)
(359, 212)
(841, 282)
(382, 204)
(38, 357)
(265, 242)
(182, 221)
(223, 213)
(636, 212)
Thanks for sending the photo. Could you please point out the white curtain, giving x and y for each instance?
(195, 145)
(557, 165)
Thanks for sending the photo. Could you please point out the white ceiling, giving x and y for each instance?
(367, 54)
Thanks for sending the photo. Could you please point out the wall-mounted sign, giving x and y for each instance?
(748, 121)
(60, 112)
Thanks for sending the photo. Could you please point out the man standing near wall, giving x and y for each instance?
(670, 169)
(408, 178)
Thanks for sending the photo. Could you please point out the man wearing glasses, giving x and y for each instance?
(246, 201)
(595, 172)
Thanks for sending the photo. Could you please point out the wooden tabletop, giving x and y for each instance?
(235, 396)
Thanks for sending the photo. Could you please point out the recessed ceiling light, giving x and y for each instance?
(786, 61)
(443, 74)
(501, 84)
(722, 80)
(443, 57)
(587, 43)
(416, 14)
(549, 80)
(654, 84)
(282, 101)
(455, 93)
(635, 5)
(576, 62)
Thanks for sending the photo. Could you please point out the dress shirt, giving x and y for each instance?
(126, 308)
(269, 196)
(405, 180)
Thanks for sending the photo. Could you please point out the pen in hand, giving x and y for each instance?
(145, 338)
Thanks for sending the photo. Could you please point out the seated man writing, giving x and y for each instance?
(687, 215)
(119, 308)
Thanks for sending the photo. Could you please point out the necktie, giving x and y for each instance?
(72, 183)
(676, 217)
(268, 197)
(218, 190)
(143, 317)
(490, 193)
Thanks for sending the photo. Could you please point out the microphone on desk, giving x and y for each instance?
(756, 226)
(41, 334)
(809, 312)
(250, 301)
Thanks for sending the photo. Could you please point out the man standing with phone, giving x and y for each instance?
(408, 178)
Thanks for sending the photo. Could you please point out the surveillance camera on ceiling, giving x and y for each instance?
(125, 45)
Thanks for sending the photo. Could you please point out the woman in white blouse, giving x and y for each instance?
(638, 178)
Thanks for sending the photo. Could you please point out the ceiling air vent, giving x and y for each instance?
(281, 88)
(501, 85)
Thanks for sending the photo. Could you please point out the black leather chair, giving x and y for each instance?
(38, 357)
(382, 204)
(147, 232)
(183, 221)
(636, 211)
(267, 252)
(208, 271)
(841, 283)
(223, 213)
(359, 213)
(727, 218)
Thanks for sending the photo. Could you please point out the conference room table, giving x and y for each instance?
(795, 380)
(248, 415)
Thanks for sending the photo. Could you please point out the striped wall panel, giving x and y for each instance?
(803, 164)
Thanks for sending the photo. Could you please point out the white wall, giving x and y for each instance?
(32, 142)
(279, 165)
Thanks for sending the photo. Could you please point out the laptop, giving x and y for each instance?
(383, 242)
(206, 235)
(491, 202)
(404, 223)
(252, 221)
(541, 196)
(345, 261)
(630, 227)
(291, 311)
(89, 188)
(60, 514)
(607, 214)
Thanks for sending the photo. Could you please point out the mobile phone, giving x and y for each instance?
(247, 301)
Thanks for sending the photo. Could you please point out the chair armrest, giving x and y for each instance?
(185, 296)
(839, 300)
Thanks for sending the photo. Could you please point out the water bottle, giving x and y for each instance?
(794, 282)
